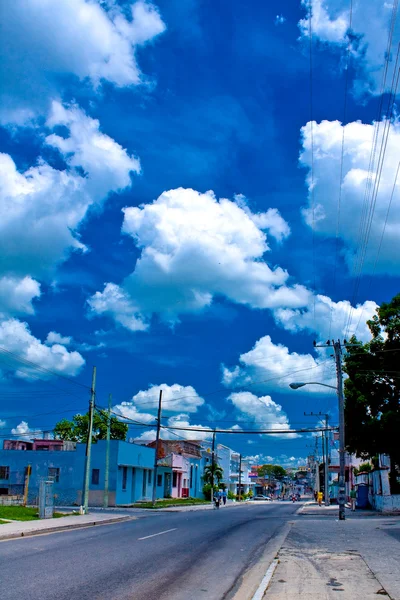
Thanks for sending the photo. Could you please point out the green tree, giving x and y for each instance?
(76, 430)
(372, 390)
(208, 474)
(272, 471)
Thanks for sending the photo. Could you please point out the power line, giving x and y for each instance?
(341, 161)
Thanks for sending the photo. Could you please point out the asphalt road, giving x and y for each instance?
(170, 556)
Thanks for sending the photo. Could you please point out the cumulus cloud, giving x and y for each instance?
(322, 316)
(23, 431)
(2, 423)
(269, 366)
(90, 40)
(368, 37)
(356, 184)
(41, 209)
(175, 399)
(280, 459)
(17, 294)
(16, 337)
(195, 248)
(181, 420)
(56, 338)
(263, 412)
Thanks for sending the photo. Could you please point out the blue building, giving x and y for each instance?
(130, 473)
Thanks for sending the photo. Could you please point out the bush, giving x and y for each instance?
(231, 495)
(207, 490)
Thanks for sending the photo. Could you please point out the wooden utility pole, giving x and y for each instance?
(240, 477)
(212, 465)
(26, 487)
(154, 497)
(89, 444)
(107, 467)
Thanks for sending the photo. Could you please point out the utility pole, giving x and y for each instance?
(89, 444)
(212, 466)
(342, 465)
(324, 452)
(154, 498)
(339, 390)
(107, 469)
(240, 477)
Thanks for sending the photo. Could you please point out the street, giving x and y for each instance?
(196, 555)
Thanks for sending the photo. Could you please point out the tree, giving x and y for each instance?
(372, 390)
(208, 474)
(272, 471)
(77, 429)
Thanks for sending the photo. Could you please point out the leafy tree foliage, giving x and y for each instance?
(274, 471)
(208, 474)
(372, 390)
(76, 430)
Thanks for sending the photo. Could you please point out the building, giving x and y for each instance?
(179, 471)
(130, 472)
(229, 461)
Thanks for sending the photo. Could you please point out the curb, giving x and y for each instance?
(59, 528)
(259, 595)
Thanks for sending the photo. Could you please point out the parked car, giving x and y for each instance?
(262, 497)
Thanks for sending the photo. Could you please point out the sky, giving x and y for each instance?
(191, 193)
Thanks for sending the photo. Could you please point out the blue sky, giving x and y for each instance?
(181, 208)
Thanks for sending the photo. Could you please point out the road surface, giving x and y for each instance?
(199, 555)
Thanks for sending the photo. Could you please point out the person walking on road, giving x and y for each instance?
(224, 496)
(353, 496)
(319, 498)
(216, 498)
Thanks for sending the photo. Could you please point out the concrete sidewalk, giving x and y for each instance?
(312, 508)
(321, 557)
(16, 529)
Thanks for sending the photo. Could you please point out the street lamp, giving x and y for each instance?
(339, 391)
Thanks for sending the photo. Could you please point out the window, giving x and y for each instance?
(54, 472)
(124, 477)
(159, 480)
(4, 472)
(149, 477)
(174, 478)
(95, 476)
(144, 487)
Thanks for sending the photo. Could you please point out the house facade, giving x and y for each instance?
(179, 471)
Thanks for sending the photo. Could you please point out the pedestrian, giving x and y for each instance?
(224, 496)
(319, 496)
(315, 495)
(353, 496)
(216, 498)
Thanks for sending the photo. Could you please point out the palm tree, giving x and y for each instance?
(210, 470)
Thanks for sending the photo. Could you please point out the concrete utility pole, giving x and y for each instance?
(107, 468)
(154, 497)
(325, 453)
(342, 465)
(212, 466)
(89, 444)
(240, 477)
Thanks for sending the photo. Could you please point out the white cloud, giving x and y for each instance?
(17, 294)
(86, 39)
(358, 143)
(281, 459)
(2, 423)
(279, 20)
(175, 399)
(181, 420)
(369, 36)
(269, 366)
(195, 248)
(56, 338)
(41, 209)
(23, 431)
(16, 337)
(324, 316)
(263, 412)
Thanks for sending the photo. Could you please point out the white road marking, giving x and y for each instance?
(262, 588)
(154, 534)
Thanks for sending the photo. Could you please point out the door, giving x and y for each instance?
(167, 485)
(144, 484)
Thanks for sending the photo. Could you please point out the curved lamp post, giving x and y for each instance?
(339, 391)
